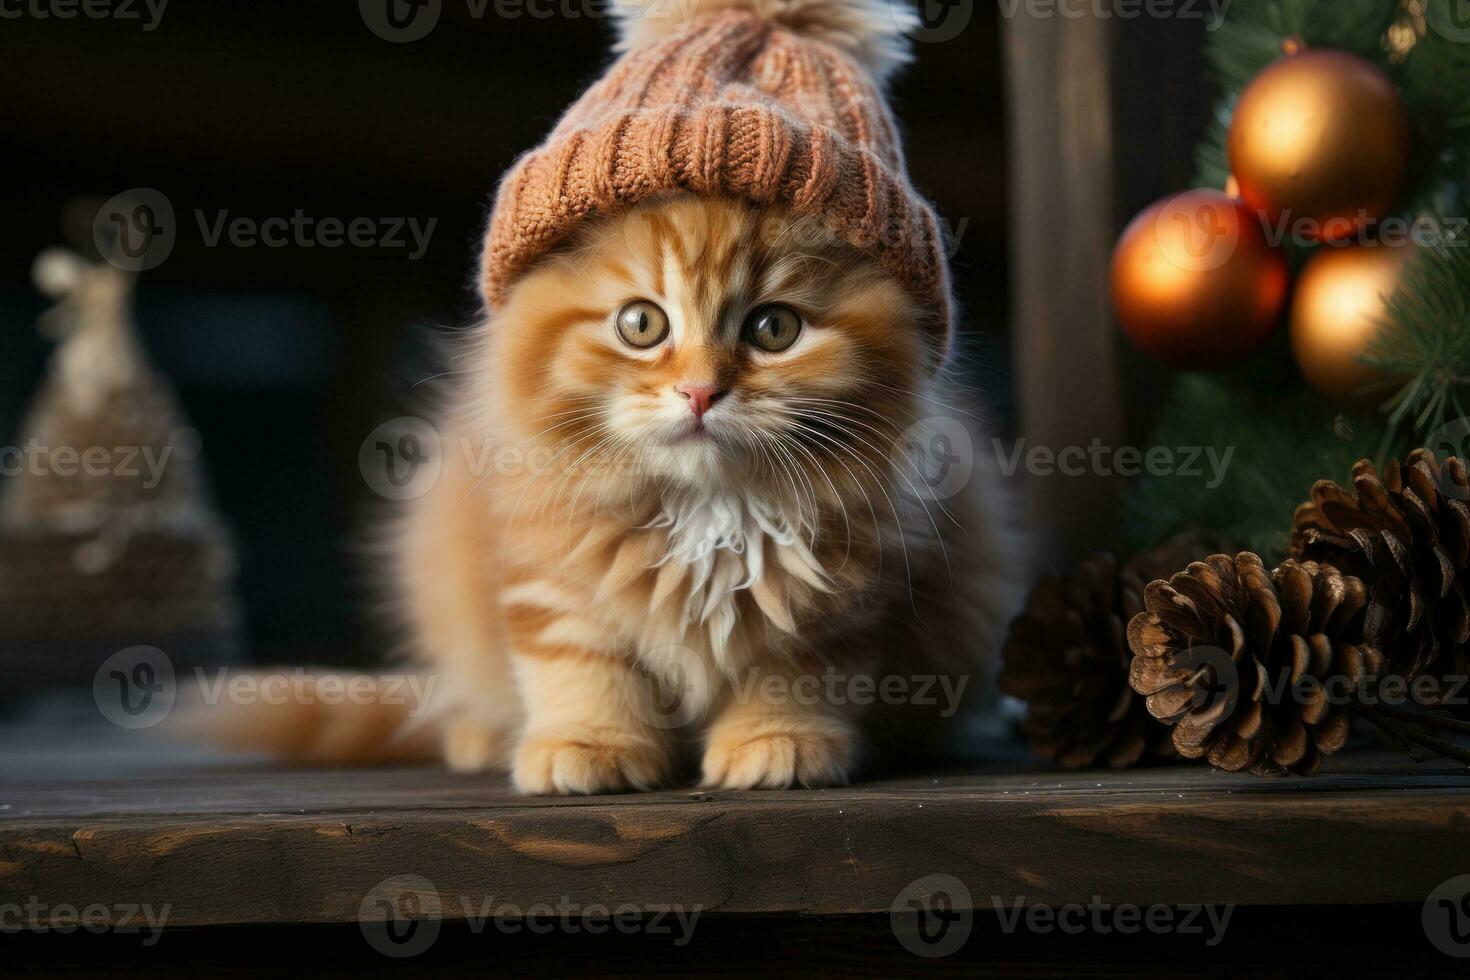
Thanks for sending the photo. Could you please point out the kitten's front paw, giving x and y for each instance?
(588, 760)
(779, 753)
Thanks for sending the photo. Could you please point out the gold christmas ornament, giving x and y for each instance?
(1320, 139)
(1195, 282)
(1338, 310)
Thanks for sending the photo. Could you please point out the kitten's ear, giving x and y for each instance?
(875, 33)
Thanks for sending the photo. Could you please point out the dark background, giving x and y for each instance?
(286, 358)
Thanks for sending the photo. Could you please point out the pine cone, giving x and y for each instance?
(1067, 658)
(1407, 534)
(1222, 650)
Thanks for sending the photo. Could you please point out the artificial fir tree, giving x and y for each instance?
(1285, 434)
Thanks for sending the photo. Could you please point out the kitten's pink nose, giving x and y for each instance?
(701, 397)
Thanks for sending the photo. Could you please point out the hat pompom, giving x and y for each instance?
(873, 32)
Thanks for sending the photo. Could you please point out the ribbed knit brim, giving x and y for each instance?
(733, 105)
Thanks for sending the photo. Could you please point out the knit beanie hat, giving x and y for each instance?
(771, 101)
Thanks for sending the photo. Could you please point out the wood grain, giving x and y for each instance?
(1059, 76)
(270, 847)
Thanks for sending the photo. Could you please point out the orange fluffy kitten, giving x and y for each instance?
(684, 516)
(716, 542)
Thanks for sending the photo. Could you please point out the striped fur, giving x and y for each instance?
(622, 566)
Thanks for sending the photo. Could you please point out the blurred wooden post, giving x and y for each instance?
(1058, 72)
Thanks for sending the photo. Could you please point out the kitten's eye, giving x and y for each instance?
(642, 324)
(773, 327)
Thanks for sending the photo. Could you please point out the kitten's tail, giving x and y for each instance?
(319, 718)
(875, 33)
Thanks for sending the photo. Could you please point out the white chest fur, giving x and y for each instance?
(725, 544)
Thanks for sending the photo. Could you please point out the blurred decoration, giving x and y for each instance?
(1195, 282)
(1066, 656)
(1320, 141)
(107, 537)
(1337, 314)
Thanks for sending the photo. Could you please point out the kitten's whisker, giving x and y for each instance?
(928, 398)
(906, 458)
(792, 469)
(837, 496)
(893, 465)
(565, 479)
(537, 476)
(623, 441)
(436, 377)
(777, 473)
(897, 518)
(811, 494)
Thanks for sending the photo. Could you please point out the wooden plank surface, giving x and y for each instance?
(249, 844)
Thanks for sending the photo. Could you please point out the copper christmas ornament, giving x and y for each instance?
(1195, 282)
(1337, 312)
(1319, 141)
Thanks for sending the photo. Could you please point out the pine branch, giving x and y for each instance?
(1211, 162)
(1279, 436)
(1255, 32)
(1427, 340)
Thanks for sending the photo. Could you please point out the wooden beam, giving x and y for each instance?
(225, 846)
(1062, 218)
